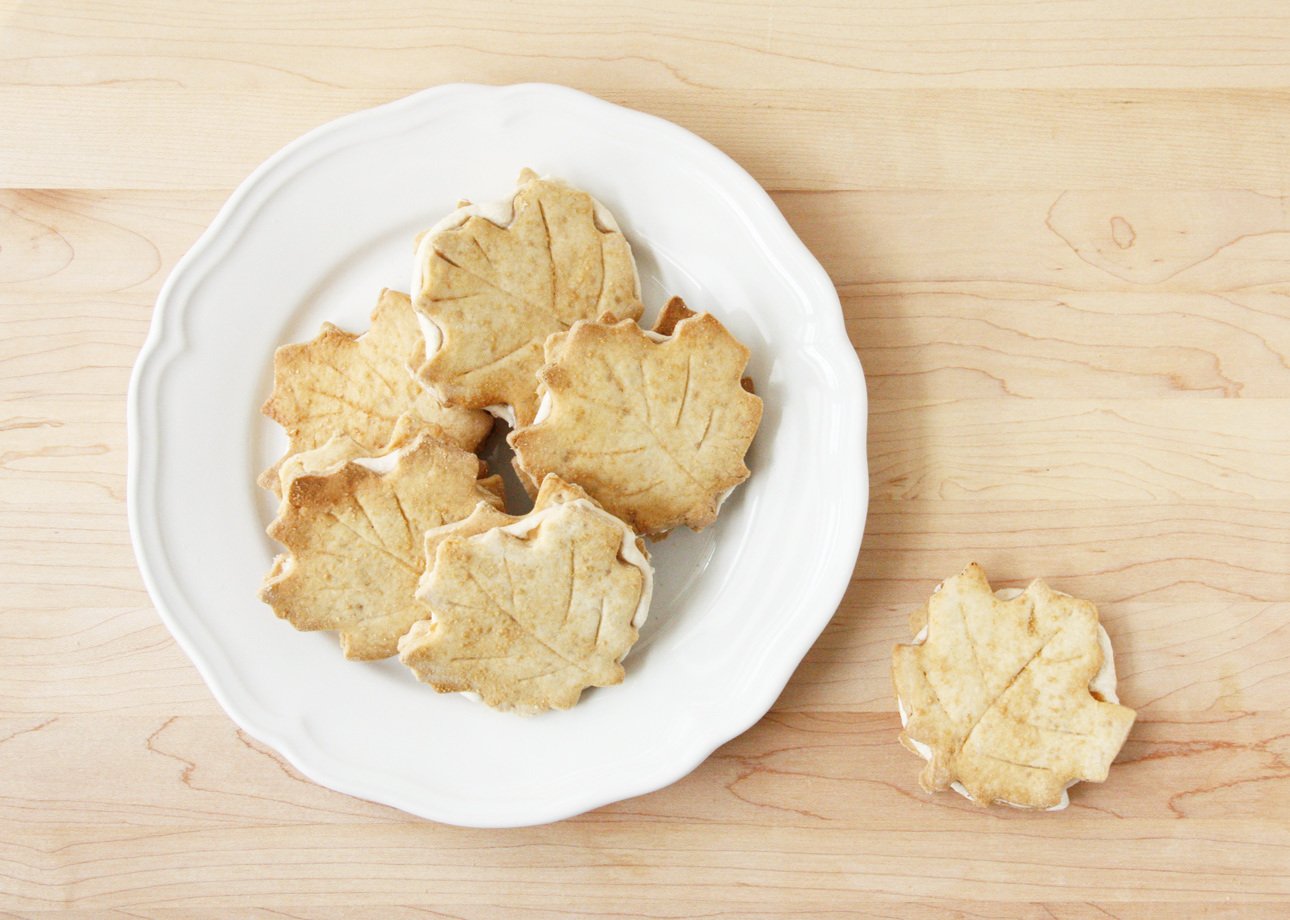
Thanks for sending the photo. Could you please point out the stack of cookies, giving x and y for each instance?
(397, 537)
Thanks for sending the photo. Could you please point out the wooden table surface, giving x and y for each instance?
(1062, 240)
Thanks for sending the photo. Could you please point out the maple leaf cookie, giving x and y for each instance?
(1009, 700)
(360, 386)
(655, 427)
(492, 282)
(527, 612)
(354, 529)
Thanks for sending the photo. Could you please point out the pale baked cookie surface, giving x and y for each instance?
(655, 430)
(492, 285)
(1001, 698)
(340, 383)
(354, 535)
(527, 612)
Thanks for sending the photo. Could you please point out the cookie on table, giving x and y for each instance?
(1009, 699)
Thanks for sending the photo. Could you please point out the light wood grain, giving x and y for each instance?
(985, 139)
(1062, 240)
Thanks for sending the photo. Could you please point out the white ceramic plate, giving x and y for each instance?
(313, 234)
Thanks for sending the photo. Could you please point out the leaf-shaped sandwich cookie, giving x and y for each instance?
(528, 612)
(493, 282)
(354, 528)
(359, 386)
(1009, 701)
(654, 427)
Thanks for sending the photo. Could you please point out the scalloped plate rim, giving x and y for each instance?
(165, 343)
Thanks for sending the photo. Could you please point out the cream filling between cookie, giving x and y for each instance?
(385, 463)
(543, 409)
(1103, 684)
(501, 213)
